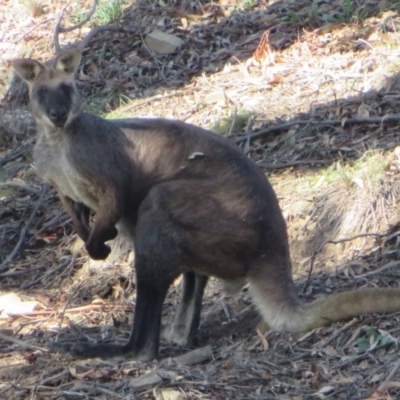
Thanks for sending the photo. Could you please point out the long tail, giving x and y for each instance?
(275, 295)
(345, 305)
(294, 316)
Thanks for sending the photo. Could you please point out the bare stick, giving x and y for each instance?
(195, 356)
(97, 30)
(325, 342)
(292, 163)
(332, 241)
(389, 265)
(386, 383)
(21, 185)
(31, 30)
(77, 26)
(90, 307)
(58, 29)
(21, 343)
(24, 230)
(287, 125)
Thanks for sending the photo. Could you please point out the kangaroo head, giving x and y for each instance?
(52, 91)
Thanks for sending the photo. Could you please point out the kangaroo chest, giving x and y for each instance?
(53, 166)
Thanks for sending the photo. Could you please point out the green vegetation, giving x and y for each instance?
(371, 339)
(232, 123)
(366, 170)
(106, 11)
(109, 10)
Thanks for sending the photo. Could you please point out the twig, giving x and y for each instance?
(287, 125)
(21, 272)
(41, 277)
(21, 185)
(386, 383)
(24, 230)
(393, 371)
(77, 26)
(325, 342)
(31, 30)
(195, 356)
(246, 132)
(293, 163)
(348, 239)
(62, 314)
(21, 343)
(58, 28)
(92, 389)
(332, 241)
(158, 97)
(233, 122)
(90, 307)
(12, 156)
(389, 265)
(97, 30)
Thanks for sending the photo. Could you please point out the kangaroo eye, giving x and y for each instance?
(42, 91)
(65, 88)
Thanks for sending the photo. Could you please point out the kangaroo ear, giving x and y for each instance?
(28, 69)
(68, 61)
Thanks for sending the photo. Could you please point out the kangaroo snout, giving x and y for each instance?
(58, 116)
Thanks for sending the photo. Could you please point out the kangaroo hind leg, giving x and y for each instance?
(184, 328)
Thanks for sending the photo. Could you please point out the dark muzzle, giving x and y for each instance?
(58, 116)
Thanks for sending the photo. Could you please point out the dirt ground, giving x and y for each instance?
(310, 91)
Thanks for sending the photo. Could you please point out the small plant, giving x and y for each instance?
(106, 11)
(371, 339)
(294, 18)
(366, 170)
(249, 4)
(349, 9)
(233, 123)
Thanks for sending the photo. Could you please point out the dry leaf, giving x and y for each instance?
(171, 394)
(163, 43)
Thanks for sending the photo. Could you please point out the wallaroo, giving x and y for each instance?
(191, 202)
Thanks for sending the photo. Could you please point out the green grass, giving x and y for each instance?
(109, 10)
(371, 339)
(224, 125)
(364, 171)
(105, 12)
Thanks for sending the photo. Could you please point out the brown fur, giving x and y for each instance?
(191, 202)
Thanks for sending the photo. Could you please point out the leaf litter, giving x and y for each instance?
(310, 90)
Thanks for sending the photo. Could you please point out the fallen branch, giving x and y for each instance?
(389, 265)
(22, 343)
(195, 357)
(59, 29)
(99, 29)
(343, 122)
(21, 272)
(293, 163)
(155, 378)
(90, 307)
(21, 185)
(77, 26)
